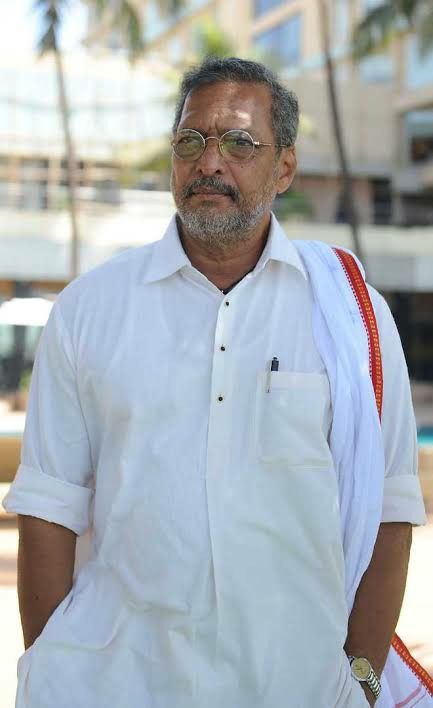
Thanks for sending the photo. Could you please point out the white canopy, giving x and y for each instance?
(29, 311)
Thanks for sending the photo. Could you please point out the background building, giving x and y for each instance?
(121, 115)
(112, 104)
(386, 100)
(121, 118)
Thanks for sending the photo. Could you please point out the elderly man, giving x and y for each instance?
(194, 411)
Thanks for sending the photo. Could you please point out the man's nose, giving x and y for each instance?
(210, 161)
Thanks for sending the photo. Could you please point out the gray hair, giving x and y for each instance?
(284, 103)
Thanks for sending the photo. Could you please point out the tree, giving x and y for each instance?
(348, 196)
(390, 19)
(119, 15)
(155, 155)
(211, 41)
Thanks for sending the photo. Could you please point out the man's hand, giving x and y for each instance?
(379, 598)
(46, 556)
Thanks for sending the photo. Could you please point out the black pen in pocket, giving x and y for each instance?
(275, 364)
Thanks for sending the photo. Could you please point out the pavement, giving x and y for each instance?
(415, 626)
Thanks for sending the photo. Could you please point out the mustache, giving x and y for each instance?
(214, 183)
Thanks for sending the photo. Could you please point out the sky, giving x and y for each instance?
(19, 26)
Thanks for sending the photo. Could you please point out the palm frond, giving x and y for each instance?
(50, 13)
(424, 28)
(211, 41)
(376, 29)
(100, 6)
(407, 8)
(128, 23)
(46, 5)
(170, 7)
(123, 18)
(50, 19)
(389, 19)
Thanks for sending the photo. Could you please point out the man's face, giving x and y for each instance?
(218, 201)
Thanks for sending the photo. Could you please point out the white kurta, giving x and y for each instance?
(216, 572)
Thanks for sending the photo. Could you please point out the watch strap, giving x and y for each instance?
(372, 680)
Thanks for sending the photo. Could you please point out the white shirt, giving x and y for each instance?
(216, 573)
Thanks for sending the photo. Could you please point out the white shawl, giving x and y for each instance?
(356, 441)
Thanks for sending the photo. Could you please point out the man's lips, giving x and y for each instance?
(213, 192)
(209, 193)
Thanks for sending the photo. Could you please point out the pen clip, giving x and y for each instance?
(274, 366)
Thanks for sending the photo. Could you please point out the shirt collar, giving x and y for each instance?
(168, 255)
(280, 248)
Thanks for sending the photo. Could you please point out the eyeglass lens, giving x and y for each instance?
(235, 145)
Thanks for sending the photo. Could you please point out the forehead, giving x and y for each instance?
(228, 105)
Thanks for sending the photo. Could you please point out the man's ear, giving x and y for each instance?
(286, 169)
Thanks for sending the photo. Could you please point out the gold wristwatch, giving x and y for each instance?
(363, 672)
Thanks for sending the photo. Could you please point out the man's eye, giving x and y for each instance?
(186, 140)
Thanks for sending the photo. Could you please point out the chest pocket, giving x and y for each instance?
(292, 420)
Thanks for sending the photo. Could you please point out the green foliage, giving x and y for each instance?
(25, 378)
(129, 176)
(425, 32)
(170, 7)
(160, 162)
(210, 41)
(122, 17)
(389, 19)
(293, 204)
(51, 15)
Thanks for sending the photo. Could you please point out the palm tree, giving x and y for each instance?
(155, 156)
(211, 41)
(348, 196)
(48, 43)
(390, 19)
(123, 17)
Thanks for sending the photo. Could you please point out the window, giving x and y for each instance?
(341, 21)
(262, 6)
(156, 21)
(378, 68)
(419, 131)
(175, 50)
(419, 69)
(371, 4)
(281, 45)
(381, 193)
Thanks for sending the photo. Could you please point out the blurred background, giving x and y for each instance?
(87, 92)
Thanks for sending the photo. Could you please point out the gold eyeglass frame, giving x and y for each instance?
(254, 144)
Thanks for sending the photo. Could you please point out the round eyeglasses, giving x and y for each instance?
(234, 145)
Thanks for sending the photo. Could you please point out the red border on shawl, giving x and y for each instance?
(362, 297)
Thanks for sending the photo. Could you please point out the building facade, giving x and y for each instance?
(386, 100)
(121, 118)
(112, 105)
(121, 115)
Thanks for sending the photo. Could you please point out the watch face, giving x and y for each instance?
(361, 669)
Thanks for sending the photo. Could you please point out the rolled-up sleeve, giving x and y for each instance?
(403, 500)
(54, 481)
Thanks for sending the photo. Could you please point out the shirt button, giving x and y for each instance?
(227, 303)
(223, 348)
(220, 398)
